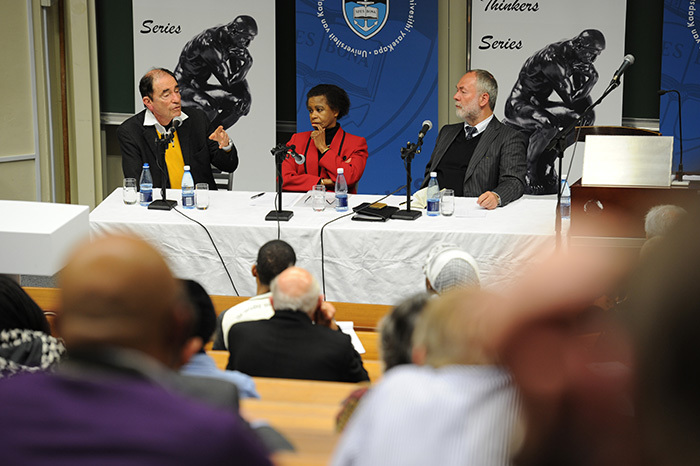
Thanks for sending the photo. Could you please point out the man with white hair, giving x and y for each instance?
(661, 218)
(447, 266)
(301, 341)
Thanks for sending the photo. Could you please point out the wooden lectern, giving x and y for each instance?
(619, 211)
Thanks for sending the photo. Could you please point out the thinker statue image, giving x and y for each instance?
(221, 52)
(552, 91)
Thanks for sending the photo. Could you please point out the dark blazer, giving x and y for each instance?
(290, 346)
(138, 146)
(498, 163)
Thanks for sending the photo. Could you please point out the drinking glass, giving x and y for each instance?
(447, 202)
(130, 194)
(318, 198)
(201, 196)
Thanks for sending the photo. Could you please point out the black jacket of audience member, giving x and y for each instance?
(289, 345)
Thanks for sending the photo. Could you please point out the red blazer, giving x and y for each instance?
(347, 151)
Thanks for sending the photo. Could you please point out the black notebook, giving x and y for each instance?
(373, 213)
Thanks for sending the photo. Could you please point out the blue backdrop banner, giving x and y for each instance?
(680, 70)
(384, 53)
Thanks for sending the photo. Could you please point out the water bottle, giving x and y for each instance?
(146, 186)
(341, 192)
(433, 195)
(187, 189)
(565, 204)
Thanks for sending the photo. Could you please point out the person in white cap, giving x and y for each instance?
(447, 267)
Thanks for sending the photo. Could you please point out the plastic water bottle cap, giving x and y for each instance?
(340, 171)
(145, 165)
(563, 177)
(433, 174)
(187, 168)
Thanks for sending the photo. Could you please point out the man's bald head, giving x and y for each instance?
(118, 291)
(295, 289)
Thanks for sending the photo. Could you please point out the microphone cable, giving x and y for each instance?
(277, 195)
(213, 244)
(571, 160)
(352, 212)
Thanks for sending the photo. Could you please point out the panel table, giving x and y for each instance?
(363, 262)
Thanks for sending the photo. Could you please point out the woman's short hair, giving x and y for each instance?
(337, 98)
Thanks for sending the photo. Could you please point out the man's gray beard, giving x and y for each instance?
(461, 113)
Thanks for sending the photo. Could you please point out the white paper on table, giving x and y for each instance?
(305, 200)
(469, 209)
(348, 328)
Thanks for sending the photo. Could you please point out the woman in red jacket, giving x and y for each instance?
(328, 147)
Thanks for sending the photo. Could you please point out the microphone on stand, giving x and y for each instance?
(281, 152)
(427, 126)
(298, 158)
(407, 154)
(173, 128)
(626, 63)
(162, 144)
(679, 173)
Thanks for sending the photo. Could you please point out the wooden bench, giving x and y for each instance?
(363, 316)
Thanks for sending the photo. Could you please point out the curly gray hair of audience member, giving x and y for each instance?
(396, 331)
(661, 218)
(306, 302)
(448, 266)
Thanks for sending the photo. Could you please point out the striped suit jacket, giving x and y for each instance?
(498, 163)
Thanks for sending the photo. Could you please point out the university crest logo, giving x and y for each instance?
(366, 18)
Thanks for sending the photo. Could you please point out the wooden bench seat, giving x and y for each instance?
(304, 391)
(365, 317)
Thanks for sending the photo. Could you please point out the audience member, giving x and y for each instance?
(576, 398)
(395, 348)
(447, 266)
(456, 406)
(665, 321)
(660, 219)
(26, 344)
(651, 244)
(301, 341)
(201, 364)
(273, 257)
(396, 331)
(125, 323)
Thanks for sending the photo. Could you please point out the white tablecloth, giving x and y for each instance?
(365, 262)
